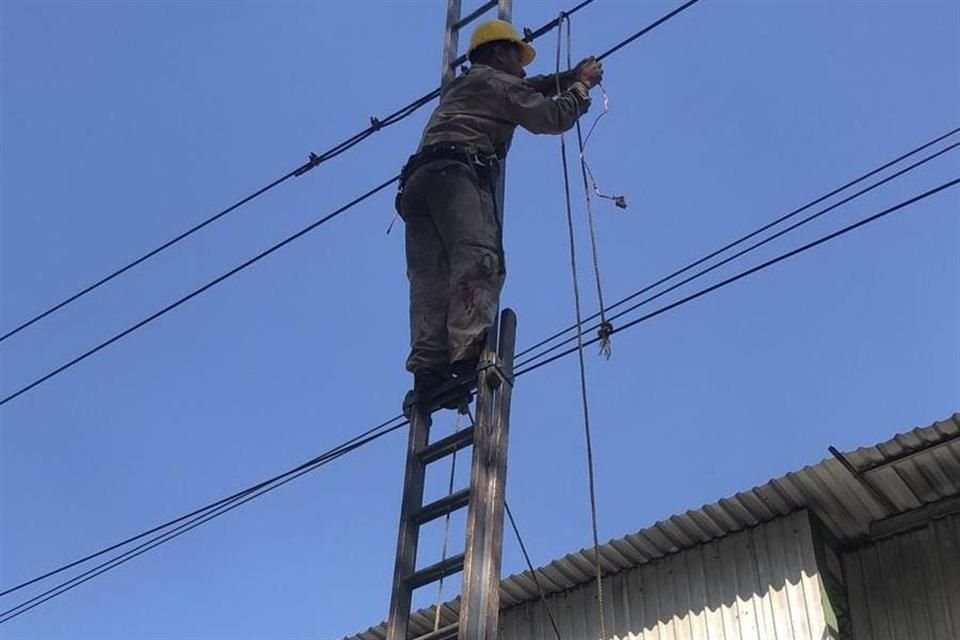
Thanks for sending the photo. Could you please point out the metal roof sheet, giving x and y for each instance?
(912, 469)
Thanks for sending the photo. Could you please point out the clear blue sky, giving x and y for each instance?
(122, 124)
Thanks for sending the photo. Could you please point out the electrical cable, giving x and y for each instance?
(224, 506)
(750, 235)
(170, 307)
(529, 37)
(376, 124)
(752, 270)
(743, 252)
(240, 494)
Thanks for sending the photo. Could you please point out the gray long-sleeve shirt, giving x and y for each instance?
(482, 108)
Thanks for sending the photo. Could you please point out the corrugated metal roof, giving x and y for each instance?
(907, 587)
(912, 469)
(757, 584)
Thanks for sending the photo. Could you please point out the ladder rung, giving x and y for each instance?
(434, 572)
(444, 633)
(476, 14)
(445, 446)
(443, 506)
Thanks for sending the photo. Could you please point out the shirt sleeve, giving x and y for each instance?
(547, 84)
(527, 107)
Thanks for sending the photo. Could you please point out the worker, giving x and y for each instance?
(454, 246)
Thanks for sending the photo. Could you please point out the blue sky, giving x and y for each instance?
(121, 124)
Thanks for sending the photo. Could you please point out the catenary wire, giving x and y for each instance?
(376, 125)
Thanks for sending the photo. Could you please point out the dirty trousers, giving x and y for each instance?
(454, 262)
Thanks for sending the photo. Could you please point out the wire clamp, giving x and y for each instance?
(312, 162)
(604, 332)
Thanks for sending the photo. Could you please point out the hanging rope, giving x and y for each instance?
(446, 524)
(606, 329)
(583, 373)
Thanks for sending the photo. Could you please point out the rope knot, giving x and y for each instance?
(604, 332)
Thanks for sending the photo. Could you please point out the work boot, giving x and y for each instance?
(435, 389)
(465, 368)
(426, 383)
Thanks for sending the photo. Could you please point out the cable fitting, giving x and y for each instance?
(604, 332)
(312, 162)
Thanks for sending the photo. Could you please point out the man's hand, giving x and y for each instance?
(589, 71)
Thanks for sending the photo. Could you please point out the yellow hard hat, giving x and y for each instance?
(494, 30)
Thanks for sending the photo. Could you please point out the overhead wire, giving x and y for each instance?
(170, 307)
(360, 440)
(751, 271)
(228, 499)
(529, 36)
(315, 160)
(196, 292)
(748, 236)
(743, 252)
(656, 313)
(223, 506)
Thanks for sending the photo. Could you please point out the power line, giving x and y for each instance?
(209, 507)
(376, 124)
(267, 252)
(226, 504)
(612, 50)
(170, 307)
(749, 249)
(752, 270)
(737, 242)
(199, 517)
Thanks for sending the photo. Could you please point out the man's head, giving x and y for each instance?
(497, 44)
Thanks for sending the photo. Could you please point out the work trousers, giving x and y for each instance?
(454, 261)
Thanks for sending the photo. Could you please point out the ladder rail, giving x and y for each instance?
(480, 562)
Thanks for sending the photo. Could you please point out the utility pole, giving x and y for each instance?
(484, 498)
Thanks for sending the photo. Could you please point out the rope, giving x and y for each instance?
(533, 572)
(606, 329)
(583, 373)
(446, 525)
